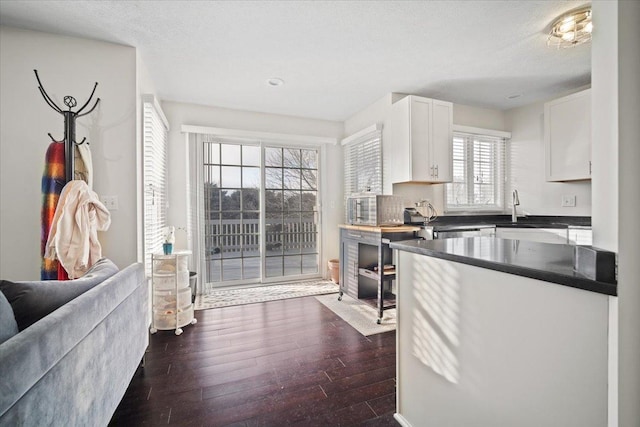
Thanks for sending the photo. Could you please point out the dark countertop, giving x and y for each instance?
(543, 261)
(533, 221)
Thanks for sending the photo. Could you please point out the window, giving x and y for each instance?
(155, 132)
(479, 173)
(363, 162)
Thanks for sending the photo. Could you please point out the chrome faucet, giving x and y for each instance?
(516, 202)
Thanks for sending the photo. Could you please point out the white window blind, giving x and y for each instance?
(363, 164)
(479, 173)
(155, 134)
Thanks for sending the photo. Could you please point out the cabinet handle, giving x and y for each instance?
(437, 173)
(432, 171)
(589, 167)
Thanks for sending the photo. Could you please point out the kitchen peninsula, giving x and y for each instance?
(499, 332)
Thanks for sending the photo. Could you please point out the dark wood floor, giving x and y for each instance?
(288, 362)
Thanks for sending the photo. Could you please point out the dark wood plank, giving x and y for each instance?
(288, 362)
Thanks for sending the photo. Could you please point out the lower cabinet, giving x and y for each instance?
(570, 235)
(359, 250)
(580, 236)
(543, 235)
(349, 267)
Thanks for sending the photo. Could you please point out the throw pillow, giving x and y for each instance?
(8, 325)
(31, 301)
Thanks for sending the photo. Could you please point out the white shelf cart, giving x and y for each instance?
(171, 295)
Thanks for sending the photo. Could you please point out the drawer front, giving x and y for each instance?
(362, 236)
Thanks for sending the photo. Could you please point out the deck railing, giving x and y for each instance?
(234, 235)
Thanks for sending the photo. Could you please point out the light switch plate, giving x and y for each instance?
(568, 201)
(110, 202)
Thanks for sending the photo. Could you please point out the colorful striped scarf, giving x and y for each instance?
(53, 179)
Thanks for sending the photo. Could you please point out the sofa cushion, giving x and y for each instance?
(8, 325)
(31, 301)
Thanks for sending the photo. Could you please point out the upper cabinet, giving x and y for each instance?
(567, 135)
(417, 143)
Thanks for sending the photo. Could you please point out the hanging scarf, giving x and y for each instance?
(53, 179)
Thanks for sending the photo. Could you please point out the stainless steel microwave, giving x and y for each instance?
(375, 210)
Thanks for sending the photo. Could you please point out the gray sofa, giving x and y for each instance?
(73, 366)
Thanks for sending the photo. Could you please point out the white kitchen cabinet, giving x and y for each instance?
(580, 235)
(567, 132)
(417, 145)
(543, 235)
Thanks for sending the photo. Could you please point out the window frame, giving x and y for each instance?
(155, 170)
(472, 140)
(368, 141)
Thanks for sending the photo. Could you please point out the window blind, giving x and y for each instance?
(363, 164)
(479, 173)
(155, 135)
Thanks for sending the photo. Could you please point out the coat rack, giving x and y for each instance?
(69, 123)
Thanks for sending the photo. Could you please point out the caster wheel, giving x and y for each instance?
(179, 331)
(379, 321)
(153, 330)
(340, 298)
(194, 321)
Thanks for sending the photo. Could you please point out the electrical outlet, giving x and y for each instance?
(568, 201)
(110, 202)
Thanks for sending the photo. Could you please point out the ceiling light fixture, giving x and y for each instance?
(571, 29)
(275, 81)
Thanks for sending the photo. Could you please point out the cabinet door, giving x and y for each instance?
(441, 143)
(567, 127)
(396, 146)
(422, 167)
(418, 143)
(580, 236)
(543, 235)
(349, 282)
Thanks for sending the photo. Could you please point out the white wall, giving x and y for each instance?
(629, 232)
(179, 114)
(67, 66)
(616, 197)
(537, 196)
(485, 118)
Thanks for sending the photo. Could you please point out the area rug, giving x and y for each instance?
(361, 316)
(229, 297)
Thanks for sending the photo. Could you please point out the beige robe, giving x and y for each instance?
(73, 238)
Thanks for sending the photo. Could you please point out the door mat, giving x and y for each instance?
(228, 297)
(361, 316)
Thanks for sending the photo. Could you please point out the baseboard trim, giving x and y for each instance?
(399, 418)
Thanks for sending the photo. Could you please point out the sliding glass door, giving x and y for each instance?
(259, 212)
(291, 191)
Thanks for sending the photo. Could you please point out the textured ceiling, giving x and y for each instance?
(336, 57)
